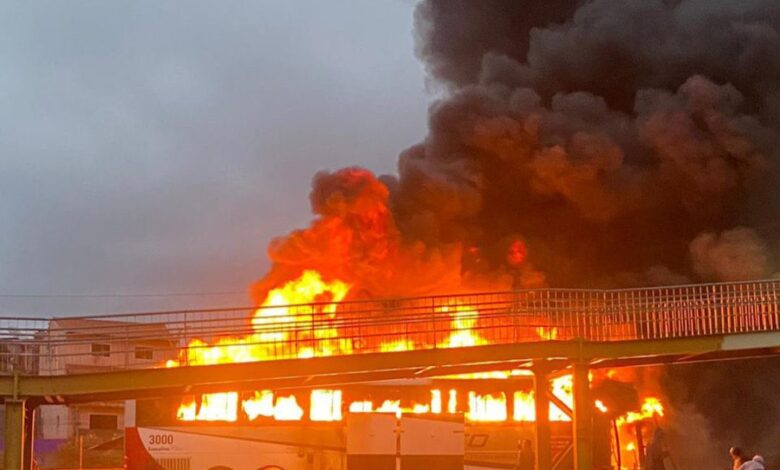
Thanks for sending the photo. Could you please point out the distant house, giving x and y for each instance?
(79, 345)
(19, 356)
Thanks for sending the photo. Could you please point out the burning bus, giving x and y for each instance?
(472, 421)
(445, 424)
(452, 423)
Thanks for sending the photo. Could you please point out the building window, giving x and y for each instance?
(143, 352)
(103, 422)
(101, 349)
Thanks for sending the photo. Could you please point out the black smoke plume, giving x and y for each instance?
(626, 142)
(601, 143)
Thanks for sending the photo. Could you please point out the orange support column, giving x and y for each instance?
(15, 435)
(542, 408)
(583, 418)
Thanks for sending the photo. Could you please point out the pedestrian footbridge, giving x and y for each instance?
(61, 360)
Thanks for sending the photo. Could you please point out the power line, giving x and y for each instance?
(116, 295)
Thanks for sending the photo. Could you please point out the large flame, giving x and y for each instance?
(651, 407)
(281, 313)
(490, 407)
(292, 308)
(213, 407)
(262, 404)
(650, 410)
(326, 405)
(307, 308)
(464, 320)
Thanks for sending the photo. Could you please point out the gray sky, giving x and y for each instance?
(156, 147)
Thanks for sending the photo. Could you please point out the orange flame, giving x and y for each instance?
(487, 408)
(452, 402)
(464, 319)
(213, 407)
(306, 307)
(365, 406)
(282, 312)
(261, 405)
(325, 405)
(287, 409)
(563, 389)
(601, 406)
(525, 407)
(279, 315)
(548, 334)
(436, 401)
(651, 407)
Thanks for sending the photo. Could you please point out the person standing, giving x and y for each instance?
(525, 456)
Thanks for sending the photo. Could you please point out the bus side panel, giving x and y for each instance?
(136, 456)
(166, 449)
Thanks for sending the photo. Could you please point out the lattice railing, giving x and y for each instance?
(146, 340)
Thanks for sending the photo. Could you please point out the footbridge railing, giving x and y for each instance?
(73, 345)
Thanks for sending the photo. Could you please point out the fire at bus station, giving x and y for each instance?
(311, 381)
(571, 262)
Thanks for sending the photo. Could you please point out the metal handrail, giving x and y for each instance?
(67, 345)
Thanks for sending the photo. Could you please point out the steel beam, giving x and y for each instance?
(28, 444)
(542, 408)
(657, 348)
(296, 372)
(560, 404)
(125, 384)
(583, 418)
(15, 436)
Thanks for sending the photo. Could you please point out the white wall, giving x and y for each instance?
(55, 421)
